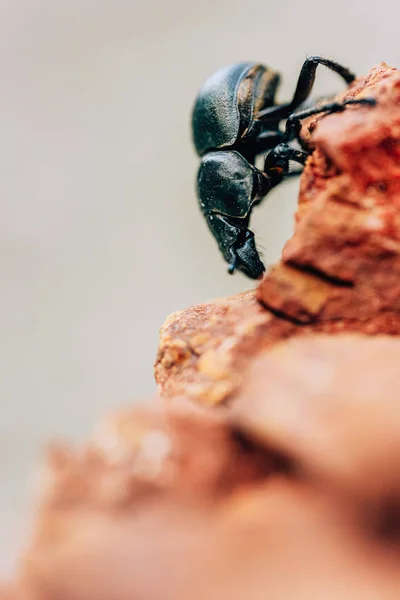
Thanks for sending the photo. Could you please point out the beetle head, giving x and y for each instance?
(237, 244)
(246, 256)
(228, 187)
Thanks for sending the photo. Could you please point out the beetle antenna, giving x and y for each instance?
(261, 250)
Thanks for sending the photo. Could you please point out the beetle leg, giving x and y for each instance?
(279, 157)
(268, 139)
(293, 123)
(306, 78)
(260, 143)
(304, 86)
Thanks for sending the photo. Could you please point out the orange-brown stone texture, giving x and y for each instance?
(295, 492)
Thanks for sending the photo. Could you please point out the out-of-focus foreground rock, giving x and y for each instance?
(295, 493)
(339, 272)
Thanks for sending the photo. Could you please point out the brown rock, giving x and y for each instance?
(339, 272)
(152, 551)
(9, 592)
(132, 514)
(320, 522)
(290, 541)
(346, 247)
(283, 539)
(330, 404)
(204, 349)
(145, 452)
(243, 552)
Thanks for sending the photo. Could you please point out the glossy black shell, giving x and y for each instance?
(227, 184)
(228, 103)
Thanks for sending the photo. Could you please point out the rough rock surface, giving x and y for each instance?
(311, 509)
(339, 272)
(204, 349)
(317, 401)
(347, 238)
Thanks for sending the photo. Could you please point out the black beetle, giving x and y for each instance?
(234, 120)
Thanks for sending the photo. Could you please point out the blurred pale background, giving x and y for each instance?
(100, 235)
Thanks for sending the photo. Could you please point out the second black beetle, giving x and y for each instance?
(234, 120)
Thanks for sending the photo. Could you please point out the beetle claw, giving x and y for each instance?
(232, 266)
